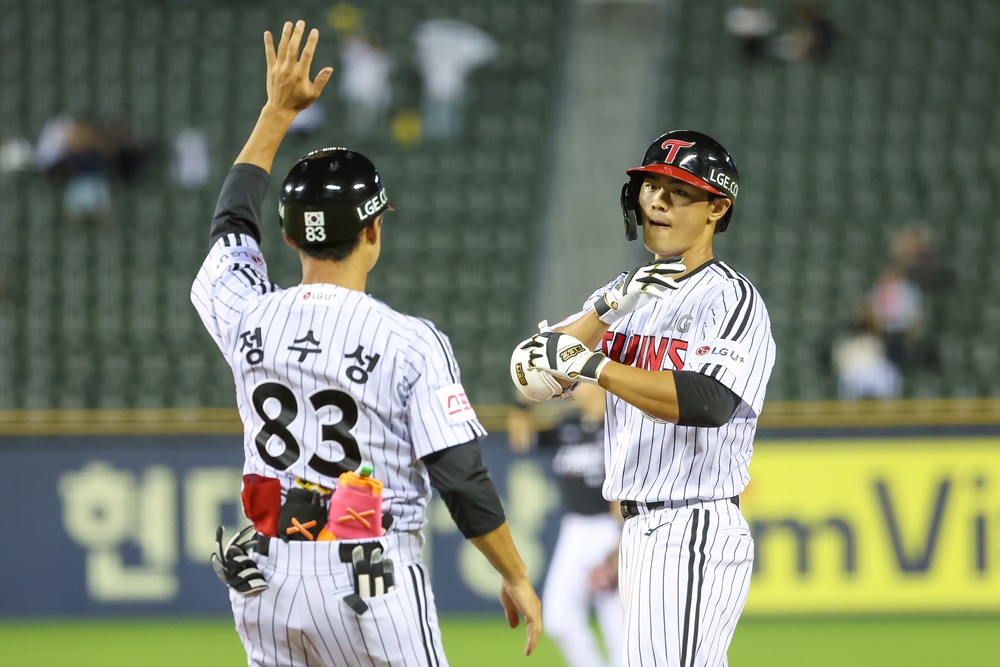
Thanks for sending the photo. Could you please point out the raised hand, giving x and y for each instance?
(288, 85)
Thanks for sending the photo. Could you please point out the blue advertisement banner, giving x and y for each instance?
(124, 525)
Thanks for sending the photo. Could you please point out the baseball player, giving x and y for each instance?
(330, 381)
(588, 537)
(683, 346)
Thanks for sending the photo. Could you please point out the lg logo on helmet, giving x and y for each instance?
(724, 181)
(372, 206)
(672, 146)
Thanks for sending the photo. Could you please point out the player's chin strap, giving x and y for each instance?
(373, 575)
(234, 566)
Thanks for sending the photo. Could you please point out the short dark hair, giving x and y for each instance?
(334, 252)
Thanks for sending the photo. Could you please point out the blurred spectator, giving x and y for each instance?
(582, 575)
(190, 166)
(127, 154)
(16, 155)
(914, 253)
(862, 364)
(897, 311)
(82, 158)
(810, 36)
(87, 173)
(50, 151)
(365, 86)
(447, 51)
(751, 26)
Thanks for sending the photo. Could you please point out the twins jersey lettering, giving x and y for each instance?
(328, 377)
(715, 324)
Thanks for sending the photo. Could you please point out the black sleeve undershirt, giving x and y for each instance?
(464, 483)
(703, 400)
(240, 203)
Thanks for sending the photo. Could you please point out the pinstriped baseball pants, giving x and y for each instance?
(684, 574)
(301, 620)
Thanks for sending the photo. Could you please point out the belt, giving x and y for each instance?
(631, 508)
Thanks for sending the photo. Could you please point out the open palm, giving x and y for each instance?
(288, 85)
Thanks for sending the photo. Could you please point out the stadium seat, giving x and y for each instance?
(843, 155)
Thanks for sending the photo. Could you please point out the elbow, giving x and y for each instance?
(664, 411)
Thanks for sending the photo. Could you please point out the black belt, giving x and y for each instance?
(631, 508)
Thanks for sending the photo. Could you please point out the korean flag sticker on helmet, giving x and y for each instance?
(315, 226)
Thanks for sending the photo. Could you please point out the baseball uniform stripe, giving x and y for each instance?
(254, 282)
(695, 637)
(752, 299)
(326, 654)
(740, 312)
(691, 558)
(430, 616)
(421, 593)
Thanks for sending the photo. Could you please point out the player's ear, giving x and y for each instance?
(289, 241)
(719, 207)
(373, 231)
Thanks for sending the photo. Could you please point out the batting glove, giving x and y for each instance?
(234, 566)
(565, 357)
(642, 285)
(373, 576)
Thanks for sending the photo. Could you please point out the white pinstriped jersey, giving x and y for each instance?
(715, 324)
(327, 377)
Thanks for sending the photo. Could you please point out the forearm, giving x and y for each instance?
(653, 392)
(588, 329)
(498, 548)
(262, 146)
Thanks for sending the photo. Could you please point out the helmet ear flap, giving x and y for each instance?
(629, 201)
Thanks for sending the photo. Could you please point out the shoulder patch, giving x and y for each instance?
(455, 404)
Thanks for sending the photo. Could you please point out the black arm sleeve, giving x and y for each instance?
(703, 400)
(239, 208)
(460, 477)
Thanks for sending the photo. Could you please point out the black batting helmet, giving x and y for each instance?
(691, 157)
(329, 196)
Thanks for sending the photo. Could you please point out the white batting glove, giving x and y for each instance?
(565, 357)
(233, 565)
(643, 285)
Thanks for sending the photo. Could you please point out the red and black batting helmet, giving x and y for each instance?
(329, 196)
(688, 156)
